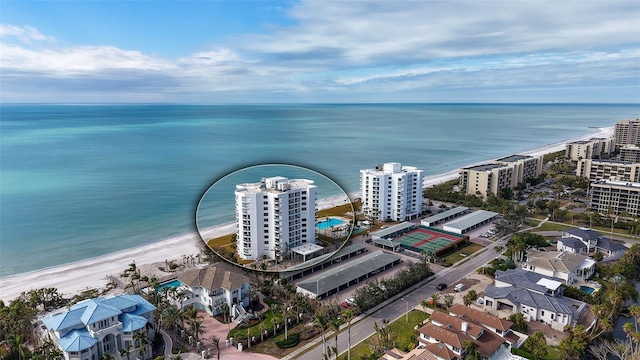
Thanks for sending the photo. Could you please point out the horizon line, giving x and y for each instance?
(318, 103)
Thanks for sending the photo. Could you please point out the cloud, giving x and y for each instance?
(25, 34)
(347, 51)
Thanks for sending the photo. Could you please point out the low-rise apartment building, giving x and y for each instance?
(594, 148)
(504, 173)
(630, 153)
(596, 170)
(615, 197)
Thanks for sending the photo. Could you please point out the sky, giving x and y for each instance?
(331, 51)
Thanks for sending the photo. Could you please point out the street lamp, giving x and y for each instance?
(406, 315)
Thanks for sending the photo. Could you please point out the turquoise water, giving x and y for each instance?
(586, 289)
(329, 222)
(172, 284)
(82, 181)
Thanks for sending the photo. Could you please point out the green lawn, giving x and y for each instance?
(553, 353)
(406, 336)
(552, 227)
(456, 256)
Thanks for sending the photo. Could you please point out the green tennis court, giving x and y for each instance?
(426, 239)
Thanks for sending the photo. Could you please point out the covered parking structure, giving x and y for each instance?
(444, 216)
(470, 221)
(387, 244)
(322, 261)
(346, 275)
(307, 250)
(393, 231)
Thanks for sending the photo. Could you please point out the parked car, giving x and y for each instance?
(441, 286)
(458, 288)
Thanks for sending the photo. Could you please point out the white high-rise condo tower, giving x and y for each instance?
(391, 191)
(273, 216)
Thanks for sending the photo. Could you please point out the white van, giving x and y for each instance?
(458, 288)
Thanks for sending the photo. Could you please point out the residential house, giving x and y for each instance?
(536, 296)
(587, 236)
(208, 288)
(610, 249)
(93, 328)
(571, 245)
(453, 330)
(566, 266)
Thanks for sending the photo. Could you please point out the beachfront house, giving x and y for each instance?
(213, 287)
(566, 266)
(93, 328)
(538, 297)
(584, 241)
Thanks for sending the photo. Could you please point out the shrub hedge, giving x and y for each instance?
(292, 341)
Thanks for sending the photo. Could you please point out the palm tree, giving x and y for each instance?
(448, 300)
(252, 294)
(107, 356)
(347, 315)
(141, 341)
(126, 351)
(321, 323)
(335, 325)
(17, 344)
(224, 309)
(471, 349)
(215, 342)
(196, 328)
(424, 303)
(436, 298)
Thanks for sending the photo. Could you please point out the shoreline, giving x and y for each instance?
(72, 278)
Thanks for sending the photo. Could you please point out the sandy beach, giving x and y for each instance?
(72, 278)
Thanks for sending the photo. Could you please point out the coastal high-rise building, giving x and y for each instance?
(596, 170)
(274, 216)
(505, 173)
(615, 197)
(594, 148)
(630, 153)
(627, 132)
(391, 191)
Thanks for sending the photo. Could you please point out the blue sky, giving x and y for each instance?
(319, 51)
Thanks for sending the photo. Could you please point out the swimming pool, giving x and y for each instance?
(586, 289)
(328, 222)
(173, 284)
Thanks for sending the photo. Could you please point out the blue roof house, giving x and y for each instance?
(94, 327)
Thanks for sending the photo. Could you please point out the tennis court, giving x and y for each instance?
(428, 239)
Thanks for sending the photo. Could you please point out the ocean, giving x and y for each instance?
(79, 181)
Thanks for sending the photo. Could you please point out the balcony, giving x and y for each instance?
(102, 332)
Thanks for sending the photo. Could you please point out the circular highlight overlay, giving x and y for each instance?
(275, 218)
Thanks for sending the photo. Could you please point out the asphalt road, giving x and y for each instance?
(364, 328)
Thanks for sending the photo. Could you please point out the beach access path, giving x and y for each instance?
(73, 278)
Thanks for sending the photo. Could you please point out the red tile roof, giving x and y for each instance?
(480, 317)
